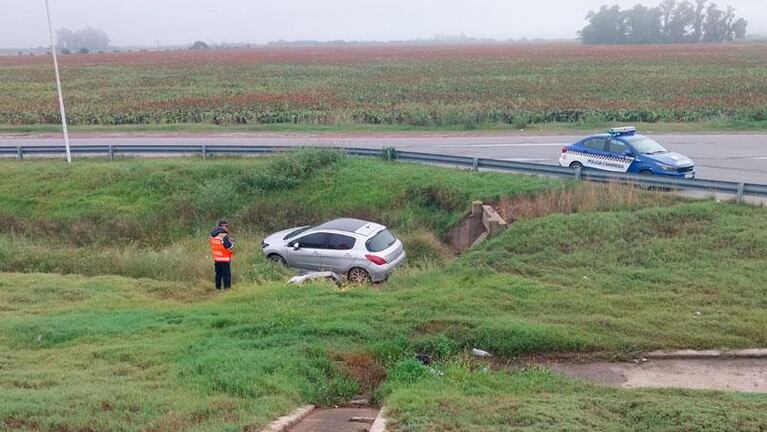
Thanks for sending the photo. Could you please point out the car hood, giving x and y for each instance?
(670, 158)
(277, 238)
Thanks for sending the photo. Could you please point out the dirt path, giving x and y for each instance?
(742, 375)
(337, 420)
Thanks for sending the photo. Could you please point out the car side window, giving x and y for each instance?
(341, 242)
(313, 241)
(618, 147)
(597, 144)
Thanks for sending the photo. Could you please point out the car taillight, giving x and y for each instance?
(375, 259)
(564, 149)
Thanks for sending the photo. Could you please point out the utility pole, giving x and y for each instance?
(58, 84)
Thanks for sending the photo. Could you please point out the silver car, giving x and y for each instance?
(360, 250)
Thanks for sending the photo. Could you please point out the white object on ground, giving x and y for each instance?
(298, 280)
(480, 353)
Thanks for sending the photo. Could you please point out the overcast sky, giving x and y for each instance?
(145, 22)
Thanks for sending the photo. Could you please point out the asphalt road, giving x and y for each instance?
(732, 157)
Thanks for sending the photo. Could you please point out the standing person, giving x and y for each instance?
(222, 247)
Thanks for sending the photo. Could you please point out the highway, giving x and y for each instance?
(731, 157)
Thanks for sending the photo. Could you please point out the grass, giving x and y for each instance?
(118, 346)
(441, 87)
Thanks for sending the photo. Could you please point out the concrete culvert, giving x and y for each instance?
(481, 223)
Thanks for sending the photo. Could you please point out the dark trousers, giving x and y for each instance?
(223, 274)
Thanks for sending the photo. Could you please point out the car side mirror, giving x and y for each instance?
(296, 246)
(628, 153)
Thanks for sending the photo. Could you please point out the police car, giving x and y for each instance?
(622, 150)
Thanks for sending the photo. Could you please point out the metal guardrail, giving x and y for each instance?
(111, 151)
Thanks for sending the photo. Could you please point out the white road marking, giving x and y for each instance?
(526, 159)
(502, 145)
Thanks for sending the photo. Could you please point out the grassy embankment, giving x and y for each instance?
(133, 338)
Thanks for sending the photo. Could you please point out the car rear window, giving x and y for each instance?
(380, 241)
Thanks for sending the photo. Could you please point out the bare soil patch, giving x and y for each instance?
(741, 375)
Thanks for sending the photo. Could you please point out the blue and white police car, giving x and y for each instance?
(622, 150)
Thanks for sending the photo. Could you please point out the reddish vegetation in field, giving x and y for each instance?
(395, 84)
(362, 54)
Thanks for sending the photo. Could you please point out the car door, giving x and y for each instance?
(338, 257)
(598, 156)
(620, 156)
(305, 253)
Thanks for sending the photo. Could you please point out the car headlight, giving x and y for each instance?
(665, 167)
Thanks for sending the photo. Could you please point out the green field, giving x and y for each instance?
(108, 320)
(394, 87)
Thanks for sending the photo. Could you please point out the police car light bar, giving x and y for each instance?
(628, 130)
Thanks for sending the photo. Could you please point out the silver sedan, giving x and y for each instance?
(360, 250)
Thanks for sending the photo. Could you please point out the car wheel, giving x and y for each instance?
(645, 173)
(275, 258)
(359, 275)
(576, 165)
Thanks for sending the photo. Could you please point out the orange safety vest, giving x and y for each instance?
(220, 253)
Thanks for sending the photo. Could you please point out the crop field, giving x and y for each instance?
(108, 320)
(463, 87)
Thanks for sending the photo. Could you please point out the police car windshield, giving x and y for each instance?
(645, 145)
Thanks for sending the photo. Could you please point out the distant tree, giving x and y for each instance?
(700, 17)
(681, 24)
(200, 45)
(643, 25)
(673, 21)
(89, 38)
(83, 51)
(667, 8)
(65, 40)
(739, 28)
(92, 39)
(605, 27)
(712, 27)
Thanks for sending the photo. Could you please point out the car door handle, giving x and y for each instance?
(316, 252)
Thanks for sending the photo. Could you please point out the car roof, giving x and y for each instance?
(357, 226)
(626, 138)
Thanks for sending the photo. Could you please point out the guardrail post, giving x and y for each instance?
(204, 152)
(19, 153)
(741, 192)
(578, 174)
(475, 165)
(111, 152)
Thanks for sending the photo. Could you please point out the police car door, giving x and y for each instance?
(600, 157)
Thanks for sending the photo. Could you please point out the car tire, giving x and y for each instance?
(277, 259)
(359, 275)
(576, 165)
(645, 173)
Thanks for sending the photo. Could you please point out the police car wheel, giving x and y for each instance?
(576, 165)
(645, 173)
(277, 259)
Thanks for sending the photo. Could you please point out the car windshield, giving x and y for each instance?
(295, 233)
(645, 145)
(380, 241)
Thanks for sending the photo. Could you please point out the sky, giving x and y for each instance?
(175, 22)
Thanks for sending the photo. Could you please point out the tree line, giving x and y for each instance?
(670, 22)
(81, 41)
